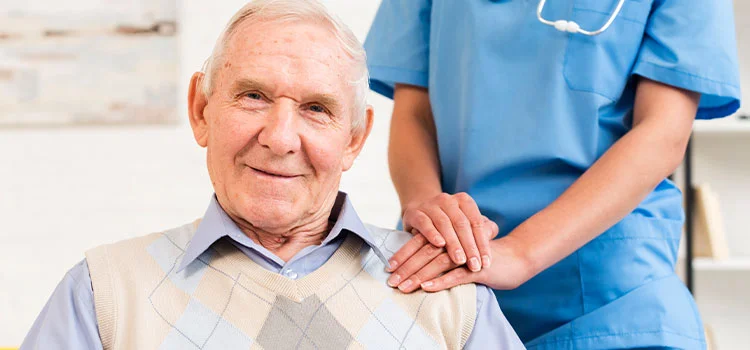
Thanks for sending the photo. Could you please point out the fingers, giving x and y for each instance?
(465, 245)
(402, 276)
(483, 244)
(491, 228)
(483, 238)
(419, 220)
(454, 222)
(440, 264)
(471, 232)
(406, 251)
(449, 280)
(443, 223)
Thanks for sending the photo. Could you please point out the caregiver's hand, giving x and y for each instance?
(424, 261)
(510, 268)
(450, 221)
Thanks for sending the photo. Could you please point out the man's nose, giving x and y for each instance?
(280, 133)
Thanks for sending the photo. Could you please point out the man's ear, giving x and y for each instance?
(197, 102)
(359, 136)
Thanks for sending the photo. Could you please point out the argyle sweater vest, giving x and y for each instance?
(223, 300)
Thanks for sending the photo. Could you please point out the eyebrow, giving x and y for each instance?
(328, 101)
(247, 84)
(243, 85)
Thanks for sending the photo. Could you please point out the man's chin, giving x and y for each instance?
(268, 214)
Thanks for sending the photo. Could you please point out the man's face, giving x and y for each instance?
(278, 125)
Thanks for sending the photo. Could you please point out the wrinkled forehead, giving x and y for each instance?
(290, 53)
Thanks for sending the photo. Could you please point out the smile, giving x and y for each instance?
(272, 174)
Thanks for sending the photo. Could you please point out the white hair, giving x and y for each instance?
(296, 10)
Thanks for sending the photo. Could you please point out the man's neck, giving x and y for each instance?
(287, 245)
(285, 242)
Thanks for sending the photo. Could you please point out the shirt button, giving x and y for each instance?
(291, 274)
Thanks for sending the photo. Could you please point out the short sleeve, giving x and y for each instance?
(691, 44)
(398, 45)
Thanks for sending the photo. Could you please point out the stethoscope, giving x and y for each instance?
(573, 27)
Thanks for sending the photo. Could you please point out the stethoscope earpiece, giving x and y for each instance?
(573, 27)
(567, 26)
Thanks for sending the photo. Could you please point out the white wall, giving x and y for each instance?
(63, 191)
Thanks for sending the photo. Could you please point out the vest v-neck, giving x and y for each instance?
(347, 257)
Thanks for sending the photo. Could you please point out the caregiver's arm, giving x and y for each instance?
(602, 196)
(446, 220)
(413, 145)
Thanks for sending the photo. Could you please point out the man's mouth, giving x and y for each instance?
(274, 173)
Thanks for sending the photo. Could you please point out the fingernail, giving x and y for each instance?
(426, 284)
(486, 261)
(393, 264)
(394, 280)
(404, 286)
(440, 241)
(460, 257)
(474, 264)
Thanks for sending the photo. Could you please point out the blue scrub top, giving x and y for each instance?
(522, 110)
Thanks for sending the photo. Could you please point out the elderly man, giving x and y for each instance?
(280, 260)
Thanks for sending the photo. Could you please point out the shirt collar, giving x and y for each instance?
(216, 224)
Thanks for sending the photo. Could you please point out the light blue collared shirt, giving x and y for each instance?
(68, 320)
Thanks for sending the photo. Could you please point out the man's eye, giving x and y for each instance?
(317, 109)
(254, 96)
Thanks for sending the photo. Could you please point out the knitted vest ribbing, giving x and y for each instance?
(223, 300)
